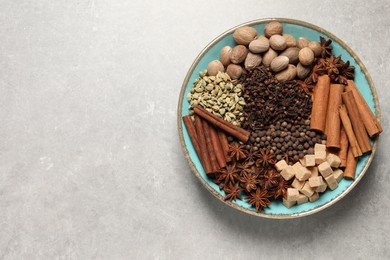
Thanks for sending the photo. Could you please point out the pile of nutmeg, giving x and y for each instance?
(288, 58)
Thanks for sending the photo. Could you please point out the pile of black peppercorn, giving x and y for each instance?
(286, 141)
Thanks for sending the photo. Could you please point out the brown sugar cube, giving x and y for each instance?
(297, 184)
(314, 171)
(331, 181)
(301, 173)
(325, 169)
(281, 165)
(338, 174)
(303, 162)
(319, 147)
(289, 204)
(314, 197)
(333, 160)
(321, 188)
(288, 173)
(316, 181)
(302, 199)
(307, 190)
(320, 157)
(310, 160)
(292, 194)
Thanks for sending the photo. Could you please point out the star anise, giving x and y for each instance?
(318, 70)
(248, 181)
(345, 72)
(333, 64)
(271, 179)
(259, 199)
(281, 188)
(228, 174)
(246, 167)
(237, 151)
(326, 48)
(266, 158)
(252, 155)
(304, 87)
(232, 192)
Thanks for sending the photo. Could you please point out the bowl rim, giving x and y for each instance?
(192, 165)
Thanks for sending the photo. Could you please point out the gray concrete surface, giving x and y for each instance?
(90, 161)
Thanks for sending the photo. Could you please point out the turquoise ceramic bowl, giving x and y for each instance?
(297, 29)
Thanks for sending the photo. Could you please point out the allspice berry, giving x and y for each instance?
(244, 35)
(234, 71)
(214, 67)
(273, 28)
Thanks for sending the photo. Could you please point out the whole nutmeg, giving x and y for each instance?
(279, 63)
(259, 45)
(290, 40)
(224, 55)
(273, 28)
(292, 54)
(238, 54)
(234, 71)
(288, 74)
(277, 42)
(214, 67)
(306, 56)
(244, 35)
(252, 60)
(303, 71)
(302, 42)
(269, 56)
(316, 48)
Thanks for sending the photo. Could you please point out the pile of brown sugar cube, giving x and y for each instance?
(311, 175)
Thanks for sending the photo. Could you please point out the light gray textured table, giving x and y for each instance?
(90, 161)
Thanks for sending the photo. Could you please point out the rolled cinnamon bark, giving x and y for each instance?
(225, 144)
(320, 103)
(192, 133)
(204, 157)
(353, 143)
(357, 124)
(370, 122)
(342, 153)
(349, 171)
(210, 147)
(217, 147)
(233, 130)
(333, 117)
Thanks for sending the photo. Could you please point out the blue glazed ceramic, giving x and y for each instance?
(297, 29)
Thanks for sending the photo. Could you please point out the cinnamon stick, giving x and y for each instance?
(233, 130)
(349, 171)
(342, 153)
(353, 143)
(370, 122)
(225, 144)
(332, 116)
(192, 133)
(357, 124)
(217, 147)
(210, 147)
(204, 157)
(320, 103)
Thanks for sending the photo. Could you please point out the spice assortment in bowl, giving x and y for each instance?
(277, 119)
